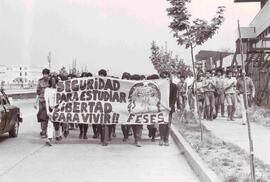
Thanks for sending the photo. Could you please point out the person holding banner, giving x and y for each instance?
(137, 128)
(125, 127)
(50, 99)
(103, 129)
(84, 127)
(164, 129)
(152, 128)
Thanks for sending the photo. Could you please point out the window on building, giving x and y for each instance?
(20, 68)
(20, 73)
(25, 74)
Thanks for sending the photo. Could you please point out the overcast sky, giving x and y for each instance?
(110, 34)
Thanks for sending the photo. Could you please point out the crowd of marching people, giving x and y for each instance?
(212, 89)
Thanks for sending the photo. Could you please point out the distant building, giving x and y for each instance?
(20, 74)
(256, 49)
(209, 60)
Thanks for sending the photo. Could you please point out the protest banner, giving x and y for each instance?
(105, 100)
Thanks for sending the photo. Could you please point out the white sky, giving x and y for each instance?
(110, 34)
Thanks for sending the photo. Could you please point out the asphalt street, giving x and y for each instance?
(27, 158)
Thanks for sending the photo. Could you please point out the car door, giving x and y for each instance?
(3, 115)
(11, 113)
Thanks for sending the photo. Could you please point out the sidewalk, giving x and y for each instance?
(236, 133)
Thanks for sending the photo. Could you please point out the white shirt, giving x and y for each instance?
(50, 98)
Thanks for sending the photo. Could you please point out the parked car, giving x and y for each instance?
(10, 117)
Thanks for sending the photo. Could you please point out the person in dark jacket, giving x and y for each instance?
(84, 127)
(42, 117)
(125, 127)
(103, 129)
(164, 129)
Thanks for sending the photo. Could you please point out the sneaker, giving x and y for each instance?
(49, 142)
(85, 137)
(243, 123)
(138, 144)
(94, 136)
(59, 138)
(166, 143)
(104, 143)
(153, 140)
(80, 136)
(43, 136)
(124, 139)
(161, 143)
(66, 133)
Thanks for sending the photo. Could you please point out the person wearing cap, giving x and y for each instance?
(250, 90)
(209, 94)
(125, 127)
(164, 129)
(42, 116)
(103, 129)
(220, 92)
(230, 94)
(182, 93)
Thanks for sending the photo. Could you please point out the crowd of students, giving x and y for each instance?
(46, 100)
(213, 91)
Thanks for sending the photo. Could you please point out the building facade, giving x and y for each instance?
(20, 74)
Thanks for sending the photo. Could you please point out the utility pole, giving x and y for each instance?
(49, 57)
(251, 154)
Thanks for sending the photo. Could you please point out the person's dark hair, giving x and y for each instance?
(89, 74)
(164, 74)
(219, 70)
(126, 75)
(102, 72)
(45, 71)
(152, 77)
(51, 79)
(143, 77)
(228, 71)
(135, 77)
(71, 75)
(183, 76)
(84, 74)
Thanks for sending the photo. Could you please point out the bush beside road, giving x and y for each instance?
(227, 158)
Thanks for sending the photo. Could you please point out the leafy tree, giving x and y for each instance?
(191, 33)
(63, 71)
(164, 61)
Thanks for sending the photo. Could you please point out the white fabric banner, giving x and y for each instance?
(105, 100)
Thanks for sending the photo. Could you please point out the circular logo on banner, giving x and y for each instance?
(144, 97)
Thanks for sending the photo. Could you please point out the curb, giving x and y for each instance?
(204, 173)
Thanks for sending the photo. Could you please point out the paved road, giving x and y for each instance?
(27, 159)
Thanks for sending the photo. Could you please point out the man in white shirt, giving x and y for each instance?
(230, 94)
